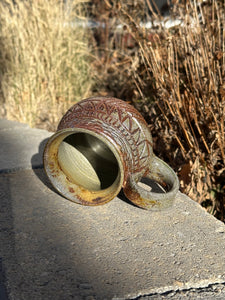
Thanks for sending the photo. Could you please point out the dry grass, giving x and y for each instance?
(176, 77)
(44, 64)
(184, 68)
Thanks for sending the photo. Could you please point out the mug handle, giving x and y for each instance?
(160, 172)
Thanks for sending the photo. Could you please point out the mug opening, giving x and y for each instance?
(88, 161)
(151, 185)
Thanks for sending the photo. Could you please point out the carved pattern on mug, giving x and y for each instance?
(120, 121)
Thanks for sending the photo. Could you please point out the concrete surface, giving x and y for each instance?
(19, 144)
(51, 248)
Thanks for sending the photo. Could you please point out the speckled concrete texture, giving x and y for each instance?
(51, 248)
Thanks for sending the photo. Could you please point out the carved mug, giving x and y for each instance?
(103, 144)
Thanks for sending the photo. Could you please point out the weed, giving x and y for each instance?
(176, 77)
(44, 64)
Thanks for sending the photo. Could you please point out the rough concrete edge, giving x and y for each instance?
(14, 124)
(16, 127)
(174, 288)
(184, 292)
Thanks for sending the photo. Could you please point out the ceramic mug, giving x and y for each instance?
(103, 144)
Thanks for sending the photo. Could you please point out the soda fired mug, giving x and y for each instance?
(102, 145)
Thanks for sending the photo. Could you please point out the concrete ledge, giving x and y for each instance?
(51, 248)
(21, 146)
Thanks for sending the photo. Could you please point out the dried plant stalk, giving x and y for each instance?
(186, 72)
(43, 60)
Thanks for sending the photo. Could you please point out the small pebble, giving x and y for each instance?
(85, 286)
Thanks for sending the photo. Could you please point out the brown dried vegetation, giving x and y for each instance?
(44, 60)
(176, 78)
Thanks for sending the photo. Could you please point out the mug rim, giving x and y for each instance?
(74, 191)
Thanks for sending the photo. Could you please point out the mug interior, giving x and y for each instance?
(84, 166)
(88, 161)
